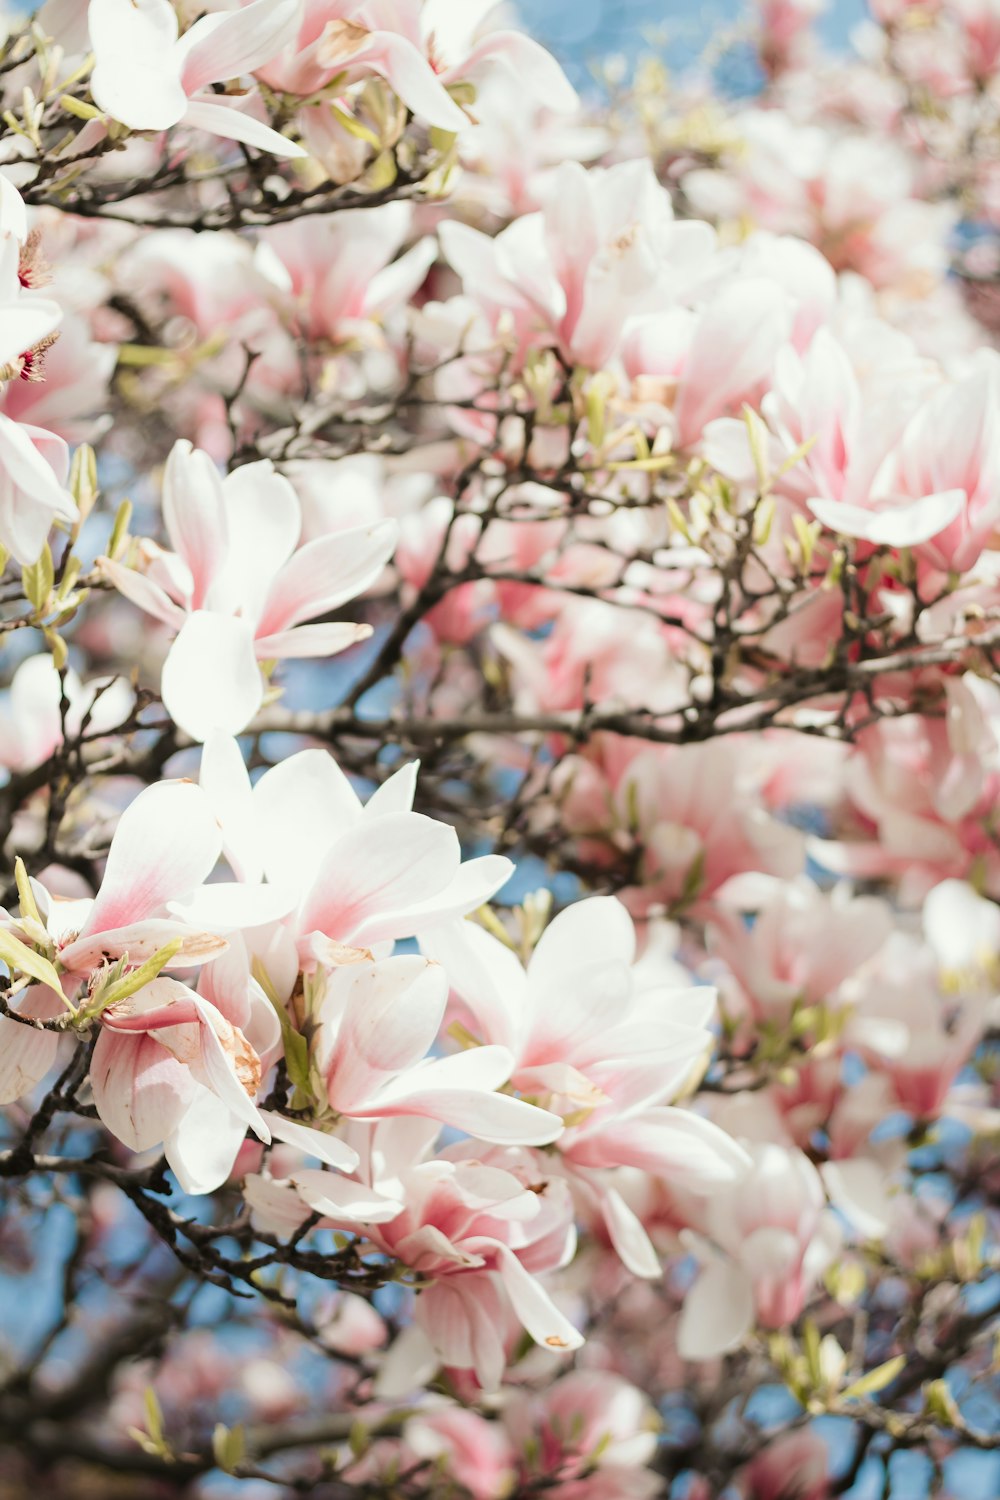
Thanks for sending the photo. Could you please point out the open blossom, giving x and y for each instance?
(169, 1068)
(149, 79)
(802, 946)
(238, 586)
(763, 1243)
(340, 874)
(166, 843)
(604, 1042)
(915, 1029)
(476, 1225)
(422, 48)
(589, 1426)
(376, 1024)
(31, 725)
(34, 463)
(664, 801)
(342, 275)
(919, 792)
(605, 247)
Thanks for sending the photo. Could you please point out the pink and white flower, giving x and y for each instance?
(237, 587)
(148, 78)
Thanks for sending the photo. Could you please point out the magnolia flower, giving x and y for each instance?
(420, 47)
(919, 1031)
(340, 874)
(34, 463)
(766, 1241)
(26, 320)
(34, 466)
(341, 275)
(166, 843)
(376, 1024)
(237, 586)
(31, 725)
(588, 1420)
(604, 248)
(478, 1226)
(474, 1452)
(803, 944)
(169, 1068)
(149, 79)
(601, 1041)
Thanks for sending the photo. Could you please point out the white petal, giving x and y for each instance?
(717, 1312)
(534, 1308)
(211, 680)
(629, 1237)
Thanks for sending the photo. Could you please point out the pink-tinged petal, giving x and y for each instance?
(140, 1090)
(486, 974)
(411, 77)
(629, 1238)
(324, 574)
(473, 883)
(391, 1013)
(344, 1202)
(195, 514)
(396, 793)
(310, 640)
(203, 1146)
(535, 69)
(311, 1142)
(690, 1150)
(143, 592)
(375, 874)
(140, 940)
(227, 120)
(211, 680)
(300, 808)
(26, 1055)
(163, 1004)
(167, 842)
(224, 779)
(535, 1310)
(464, 1317)
(26, 323)
(733, 349)
(228, 906)
(233, 43)
(264, 521)
(227, 984)
(896, 525)
(33, 494)
(136, 76)
(717, 1312)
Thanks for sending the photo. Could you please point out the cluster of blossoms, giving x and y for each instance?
(366, 396)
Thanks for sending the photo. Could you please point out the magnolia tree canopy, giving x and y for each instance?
(501, 750)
